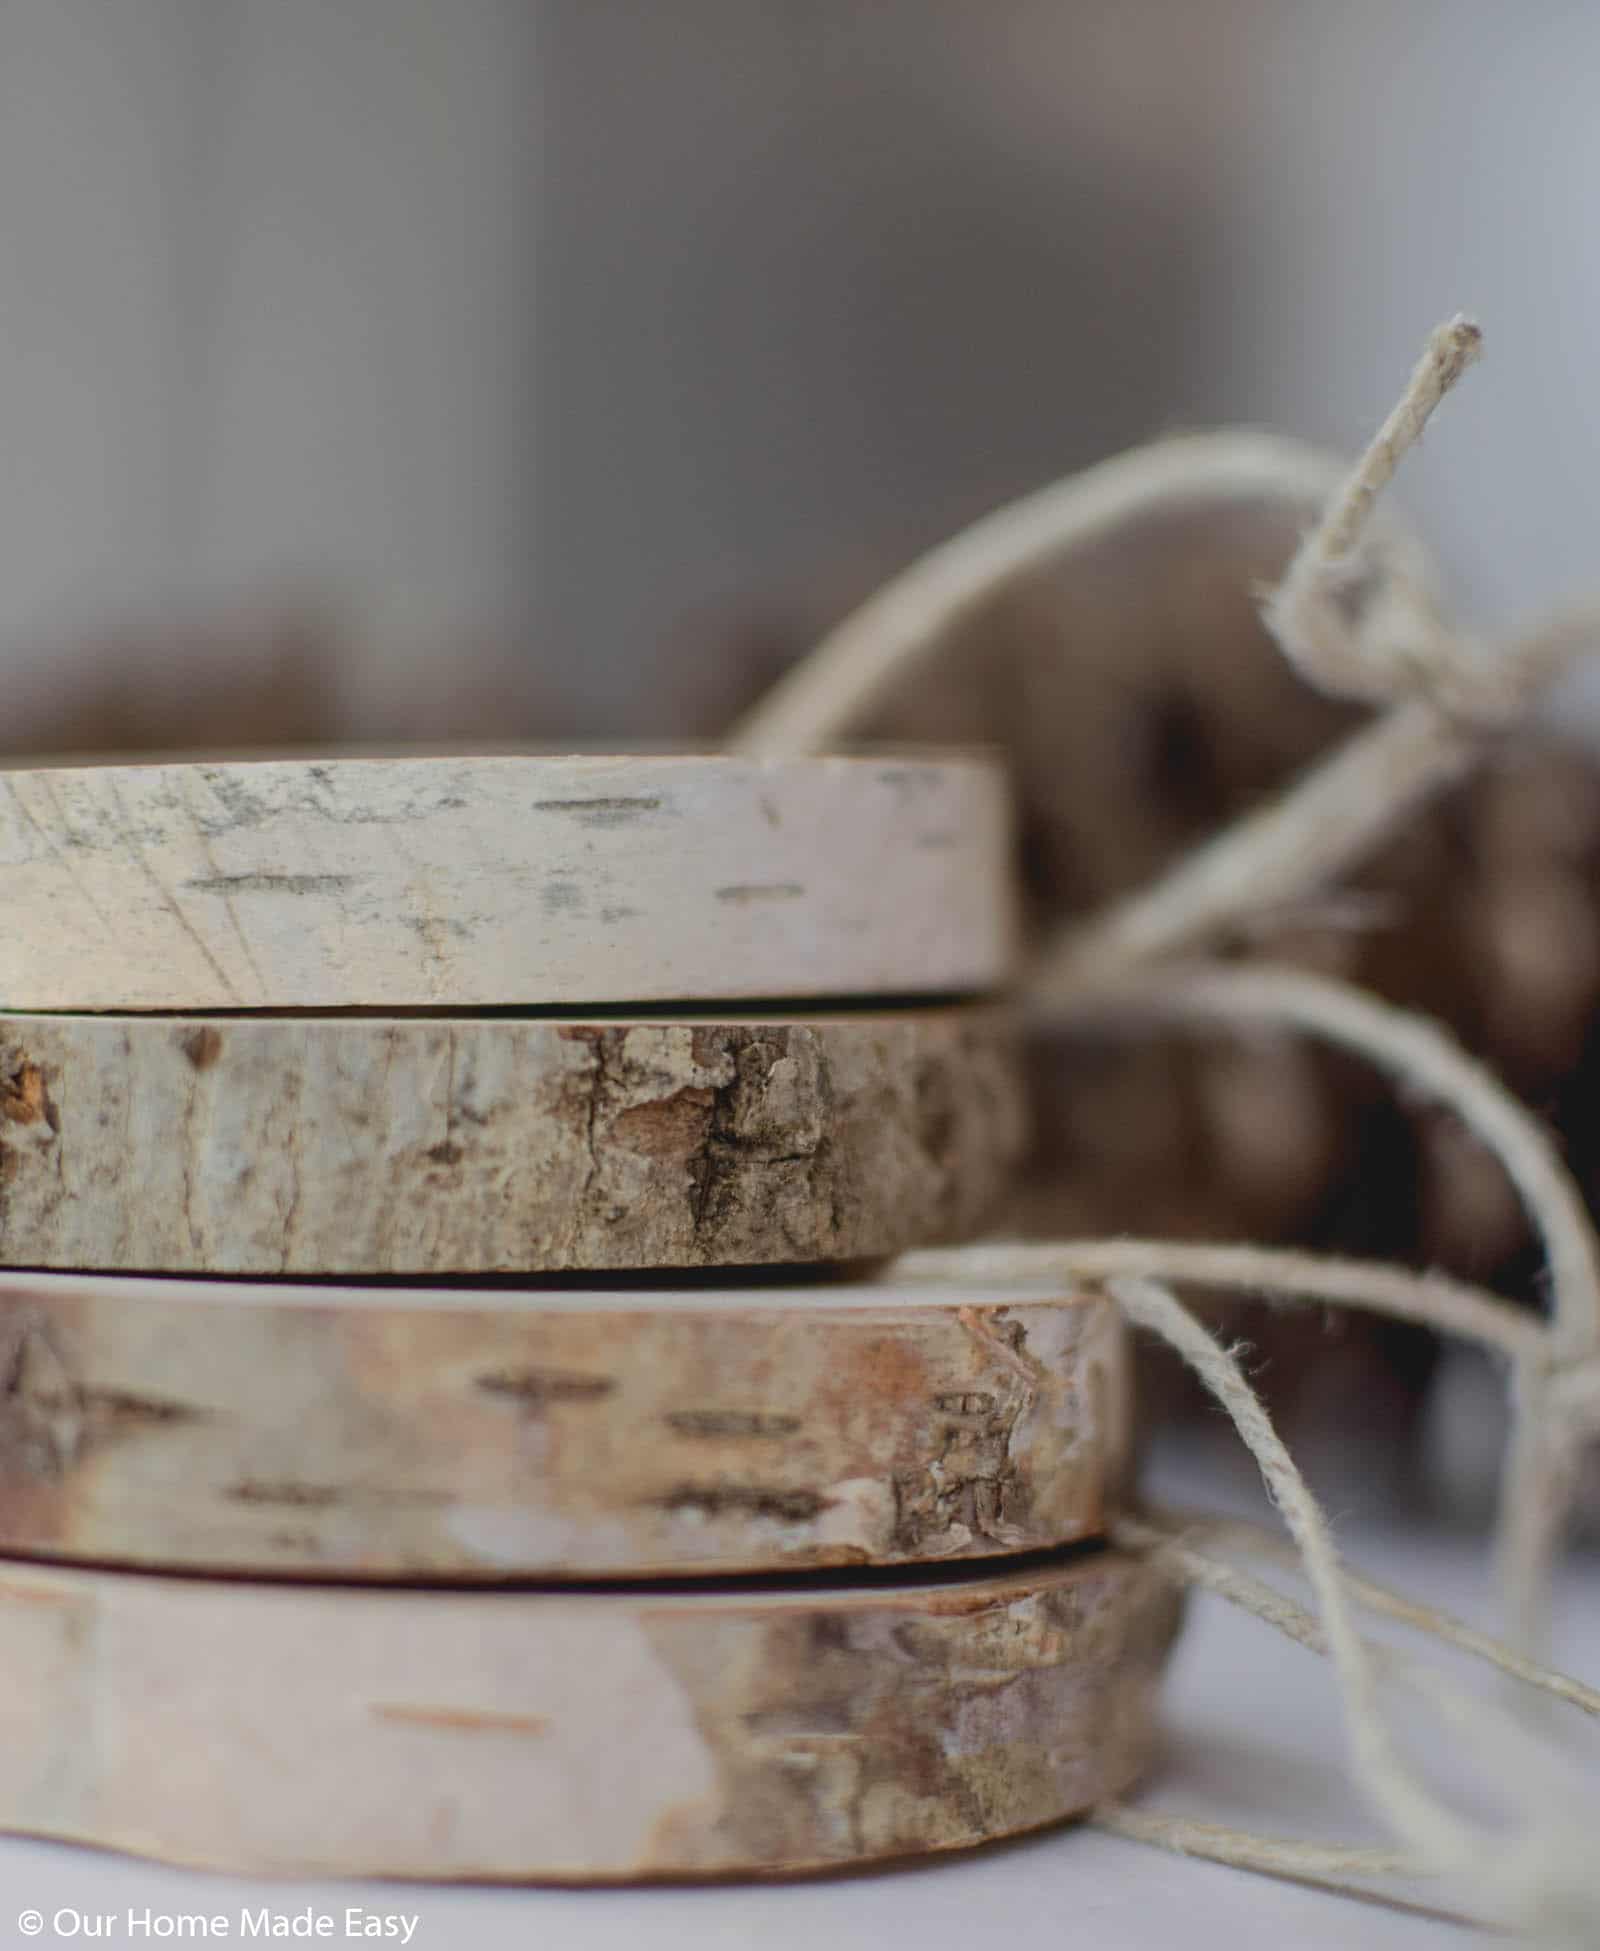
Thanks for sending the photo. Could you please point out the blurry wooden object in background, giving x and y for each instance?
(1143, 706)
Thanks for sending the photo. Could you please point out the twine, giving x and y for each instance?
(1356, 615)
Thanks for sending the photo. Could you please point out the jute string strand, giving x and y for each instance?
(1416, 1816)
(1541, 1877)
(1355, 614)
(1194, 1533)
(1541, 1471)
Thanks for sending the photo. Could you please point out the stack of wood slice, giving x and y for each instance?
(450, 1422)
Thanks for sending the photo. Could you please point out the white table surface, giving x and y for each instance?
(1252, 1738)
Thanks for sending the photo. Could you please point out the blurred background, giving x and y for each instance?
(395, 368)
(559, 369)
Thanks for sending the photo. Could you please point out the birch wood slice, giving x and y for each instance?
(570, 1737)
(426, 1146)
(453, 883)
(378, 1433)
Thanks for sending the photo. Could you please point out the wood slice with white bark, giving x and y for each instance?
(456, 883)
(547, 1736)
(425, 1146)
(376, 1432)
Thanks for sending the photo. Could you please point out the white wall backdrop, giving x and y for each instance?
(266, 325)
(582, 339)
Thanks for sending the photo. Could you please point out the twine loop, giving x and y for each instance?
(1358, 619)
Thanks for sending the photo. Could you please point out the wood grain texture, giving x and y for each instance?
(379, 1433)
(570, 1737)
(454, 883)
(370, 1145)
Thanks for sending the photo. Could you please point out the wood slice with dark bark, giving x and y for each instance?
(420, 1145)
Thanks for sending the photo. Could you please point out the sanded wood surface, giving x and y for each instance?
(415, 1145)
(465, 882)
(592, 1736)
(380, 1433)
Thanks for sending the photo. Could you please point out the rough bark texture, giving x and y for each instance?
(460, 883)
(570, 1736)
(376, 1433)
(362, 1145)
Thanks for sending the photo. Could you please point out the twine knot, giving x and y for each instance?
(1357, 619)
(1357, 627)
